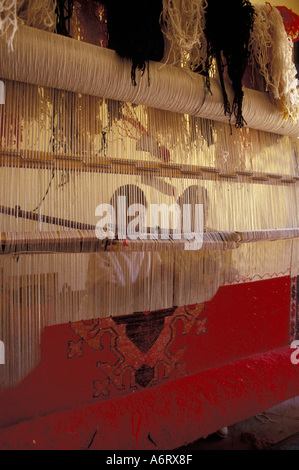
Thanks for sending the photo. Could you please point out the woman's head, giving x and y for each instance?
(195, 195)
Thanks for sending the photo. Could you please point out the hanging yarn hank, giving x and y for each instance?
(134, 32)
(224, 22)
(8, 21)
(39, 14)
(183, 24)
(271, 51)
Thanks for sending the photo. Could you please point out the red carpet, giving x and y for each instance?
(156, 379)
(169, 415)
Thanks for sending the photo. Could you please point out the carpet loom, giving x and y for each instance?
(97, 356)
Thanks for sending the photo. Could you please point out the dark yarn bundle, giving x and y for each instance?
(134, 31)
(64, 11)
(227, 28)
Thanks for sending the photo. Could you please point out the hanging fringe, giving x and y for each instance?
(271, 51)
(184, 24)
(135, 33)
(227, 29)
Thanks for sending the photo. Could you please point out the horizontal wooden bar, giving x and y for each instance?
(86, 241)
(18, 213)
(96, 71)
(138, 167)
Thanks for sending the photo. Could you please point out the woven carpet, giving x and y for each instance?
(156, 380)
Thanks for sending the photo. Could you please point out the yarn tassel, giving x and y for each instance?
(135, 33)
(224, 22)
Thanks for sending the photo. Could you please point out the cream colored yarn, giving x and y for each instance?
(271, 50)
(8, 20)
(36, 13)
(183, 26)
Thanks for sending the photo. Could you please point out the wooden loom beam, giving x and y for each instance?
(138, 167)
(80, 67)
(85, 241)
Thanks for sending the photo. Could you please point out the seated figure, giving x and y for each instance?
(124, 282)
(199, 273)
